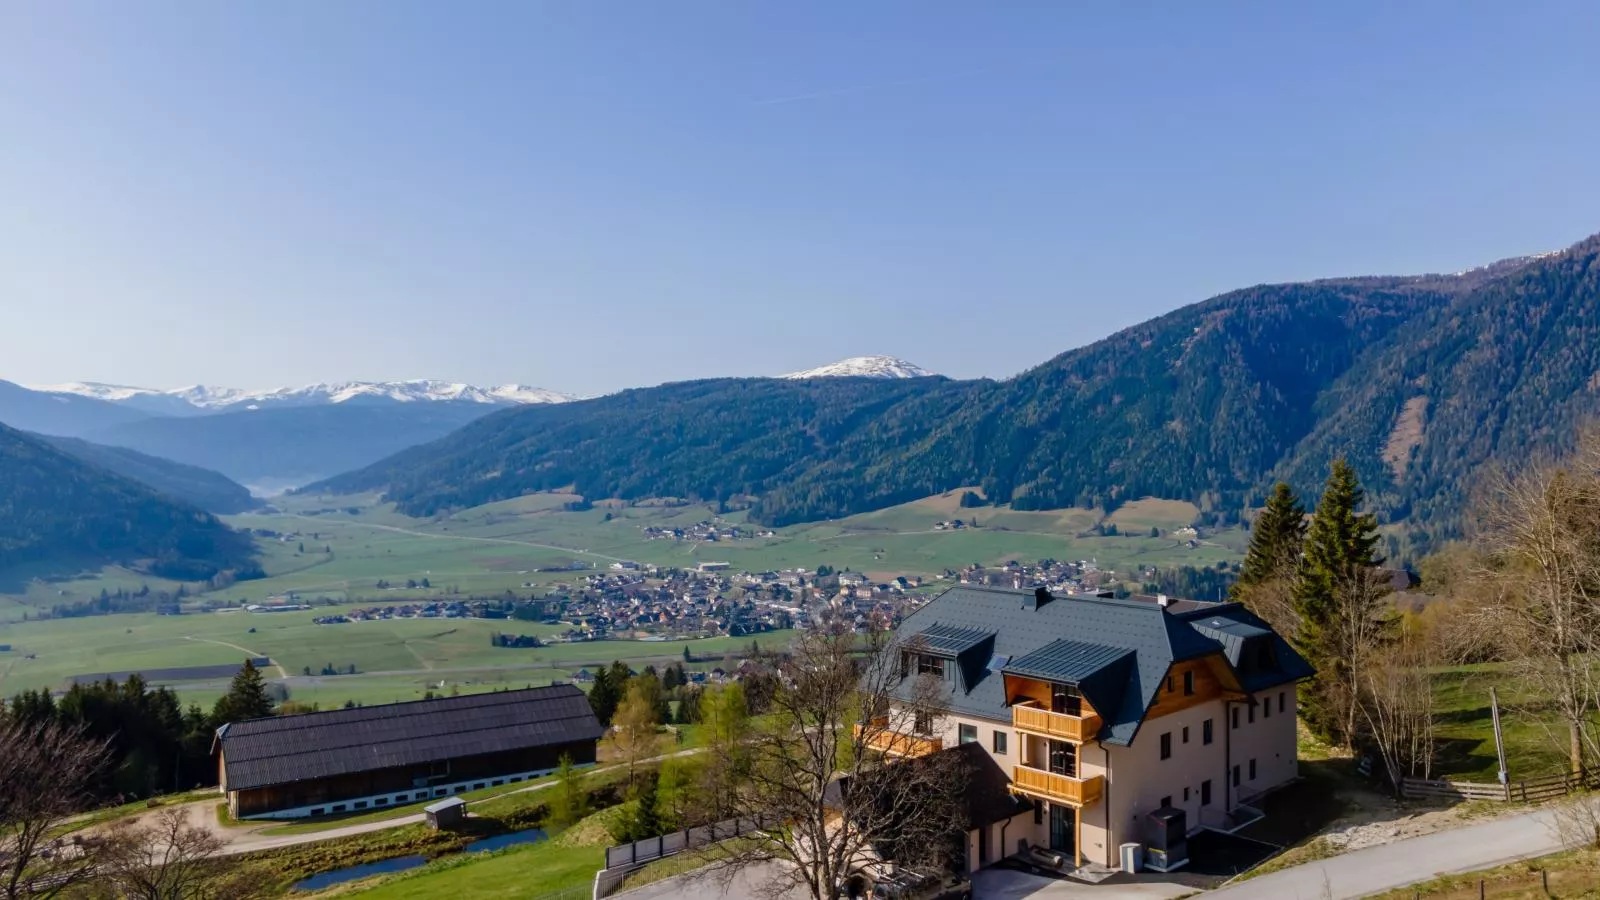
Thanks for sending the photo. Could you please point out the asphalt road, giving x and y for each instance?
(1389, 866)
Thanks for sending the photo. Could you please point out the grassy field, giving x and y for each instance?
(341, 548)
(1575, 873)
(397, 659)
(1466, 735)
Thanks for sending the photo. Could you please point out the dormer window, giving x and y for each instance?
(930, 665)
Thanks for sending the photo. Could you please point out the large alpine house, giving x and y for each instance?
(344, 760)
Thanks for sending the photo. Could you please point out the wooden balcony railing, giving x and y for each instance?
(893, 743)
(1057, 788)
(1038, 720)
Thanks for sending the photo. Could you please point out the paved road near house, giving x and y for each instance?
(1377, 869)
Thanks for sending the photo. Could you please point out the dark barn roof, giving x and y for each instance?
(283, 749)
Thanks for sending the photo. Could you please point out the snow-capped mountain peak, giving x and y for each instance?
(95, 389)
(201, 398)
(865, 367)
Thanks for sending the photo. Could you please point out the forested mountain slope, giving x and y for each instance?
(1508, 374)
(56, 507)
(1207, 403)
(203, 488)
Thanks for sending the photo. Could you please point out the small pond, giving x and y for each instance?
(402, 863)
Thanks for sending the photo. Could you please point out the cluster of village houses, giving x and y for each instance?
(708, 530)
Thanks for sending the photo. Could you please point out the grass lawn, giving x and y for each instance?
(1575, 873)
(513, 874)
(1465, 730)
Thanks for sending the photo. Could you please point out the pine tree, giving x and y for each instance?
(571, 798)
(646, 821)
(1271, 563)
(604, 695)
(246, 698)
(1336, 598)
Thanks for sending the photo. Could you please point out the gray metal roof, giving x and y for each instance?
(1066, 661)
(283, 749)
(950, 640)
(1145, 638)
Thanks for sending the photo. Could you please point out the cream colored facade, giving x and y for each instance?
(1197, 776)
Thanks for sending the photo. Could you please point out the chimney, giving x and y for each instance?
(1040, 598)
(1163, 600)
(1016, 582)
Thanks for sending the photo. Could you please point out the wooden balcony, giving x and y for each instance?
(1035, 719)
(1079, 792)
(893, 743)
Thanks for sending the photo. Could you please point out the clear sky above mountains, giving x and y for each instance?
(587, 196)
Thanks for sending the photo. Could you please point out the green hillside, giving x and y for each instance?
(210, 491)
(55, 507)
(1206, 404)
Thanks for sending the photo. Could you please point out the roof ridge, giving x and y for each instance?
(494, 698)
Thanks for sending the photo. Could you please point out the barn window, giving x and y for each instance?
(318, 811)
(478, 786)
(361, 804)
(381, 801)
(338, 807)
(497, 782)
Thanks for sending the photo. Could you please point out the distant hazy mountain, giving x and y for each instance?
(1419, 380)
(201, 398)
(61, 414)
(277, 447)
(203, 488)
(58, 510)
(864, 367)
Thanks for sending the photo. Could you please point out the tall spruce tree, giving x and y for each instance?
(247, 697)
(1338, 601)
(1267, 578)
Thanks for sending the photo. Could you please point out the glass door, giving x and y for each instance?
(1063, 758)
(1061, 829)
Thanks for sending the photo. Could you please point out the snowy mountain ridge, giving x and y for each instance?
(865, 367)
(218, 399)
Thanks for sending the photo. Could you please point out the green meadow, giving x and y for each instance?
(337, 551)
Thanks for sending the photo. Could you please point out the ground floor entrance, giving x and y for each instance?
(1063, 837)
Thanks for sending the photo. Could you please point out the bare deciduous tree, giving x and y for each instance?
(1396, 703)
(1542, 533)
(46, 770)
(816, 778)
(165, 857)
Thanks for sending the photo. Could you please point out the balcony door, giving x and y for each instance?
(1063, 758)
(1064, 698)
(1061, 837)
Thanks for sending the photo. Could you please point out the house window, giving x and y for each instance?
(1170, 688)
(1252, 710)
(1280, 700)
(930, 665)
(1166, 802)
(1205, 732)
(999, 742)
(1188, 683)
(968, 734)
(1252, 770)
(1166, 745)
(905, 664)
(1186, 795)
(1038, 812)
(1236, 717)
(1205, 792)
(1235, 774)
(1186, 734)
(922, 723)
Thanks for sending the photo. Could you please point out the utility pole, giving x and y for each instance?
(1499, 741)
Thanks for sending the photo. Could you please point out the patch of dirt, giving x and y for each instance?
(1406, 434)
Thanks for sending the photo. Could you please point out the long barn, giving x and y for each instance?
(344, 760)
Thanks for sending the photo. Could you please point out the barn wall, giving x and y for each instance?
(387, 787)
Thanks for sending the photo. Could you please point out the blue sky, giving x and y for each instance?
(588, 196)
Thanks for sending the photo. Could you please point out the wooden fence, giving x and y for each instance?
(1529, 790)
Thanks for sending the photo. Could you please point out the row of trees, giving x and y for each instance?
(48, 772)
(151, 743)
(1523, 590)
(1322, 585)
